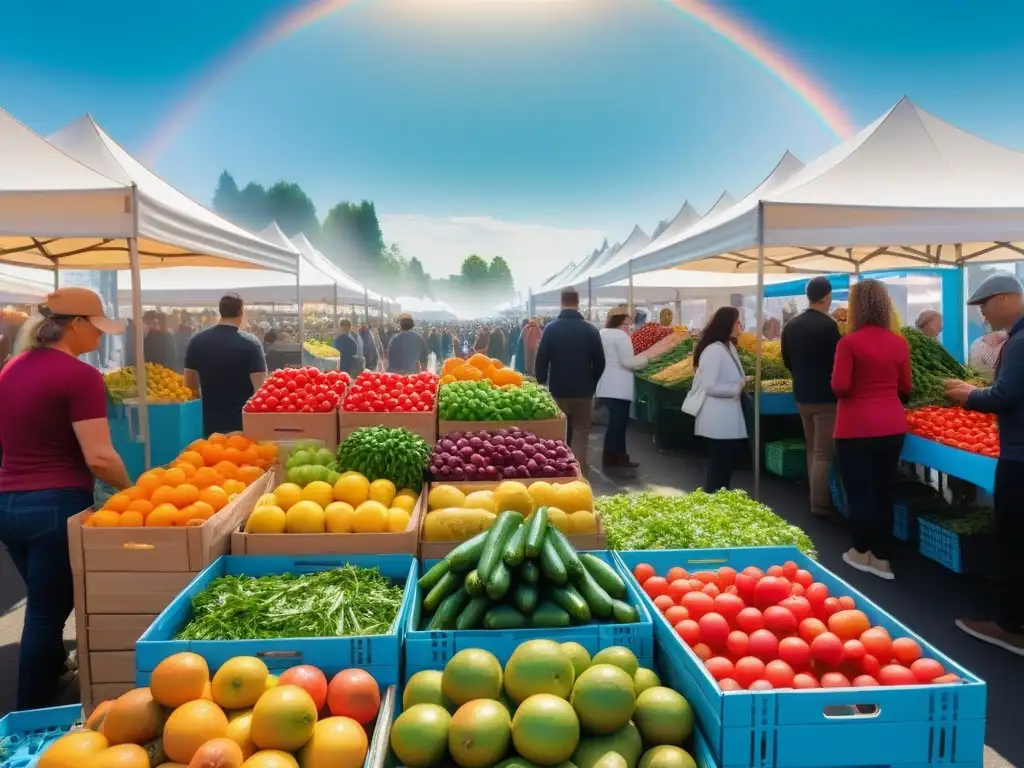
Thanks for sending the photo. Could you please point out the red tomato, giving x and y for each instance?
(764, 645)
(688, 631)
(779, 674)
(706, 577)
(816, 594)
(906, 650)
(878, 643)
(745, 584)
(780, 621)
(737, 644)
(834, 680)
(750, 620)
(760, 685)
(827, 649)
(729, 606)
(950, 678)
(804, 681)
(774, 570)
(354, 693)
(871, 665)
(789, 569)
(847, 603)
(711, 589)
(894, 674)
(310, 679)
(654, 586)
(748, 669)
(726, 576)
(678, 588)
(848, 625)
(864, 681)
(719, 667)
(854, 651)
(803, 578)
(675, 613)
(675, 572)
(728, 684)
(703, 651)
(663, 603)
(714, 629)
(798, 606)
(829, 607)
(771, 590)
(798, 590)
(926, 670)
(795, 652)
(811, 628)
(697, 603)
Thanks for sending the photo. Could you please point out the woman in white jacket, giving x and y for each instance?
(615, 388)
(720, 375)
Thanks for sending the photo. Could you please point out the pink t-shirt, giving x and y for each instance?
(42, 393)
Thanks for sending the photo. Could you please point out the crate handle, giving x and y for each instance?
(136, 546)
(279, 654)
(847, 711)
(706, 560)
(298, 430)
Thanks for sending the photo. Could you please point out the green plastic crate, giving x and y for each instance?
(786, 458)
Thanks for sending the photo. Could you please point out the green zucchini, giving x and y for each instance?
(494, 547)
(504, 617)
(472, 615)
(566, 553)
(465, 556)
(525, 598)
(599, 601)
(572, 602)
(444, 587)
(501, 580)
(449, 611)
(548, 614)
(537, 528)
(529, 573)
(429, 579)
(514, 549)
(605, 575)
(473, 584)
(551, 564)
(625, 613)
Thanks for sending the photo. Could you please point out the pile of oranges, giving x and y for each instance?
(479, 367)
(194, 487)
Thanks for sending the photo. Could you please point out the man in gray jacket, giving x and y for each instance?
(407, 350)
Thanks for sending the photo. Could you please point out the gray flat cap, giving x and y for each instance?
(994, 285)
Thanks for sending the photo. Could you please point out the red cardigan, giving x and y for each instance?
(870, 375)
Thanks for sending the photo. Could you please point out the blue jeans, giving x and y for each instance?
(34, 528)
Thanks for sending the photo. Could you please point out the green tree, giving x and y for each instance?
(416, 278)
(500, 276)
(475, 271)
(226, 197)
(352, 239)
(252, 207)
(291, 208)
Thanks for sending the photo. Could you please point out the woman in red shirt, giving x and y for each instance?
(55, 440)
(871, 378)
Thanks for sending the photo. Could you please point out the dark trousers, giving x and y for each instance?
(1009, 517)
(869, 467)
(723, 456)
(34, 528)
(618, 420)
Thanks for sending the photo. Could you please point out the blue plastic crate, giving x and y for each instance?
(172, 426)
(960, 554)
(902, 519)
(24, 736)
(380, 655)
(431, 650)
(898, 727)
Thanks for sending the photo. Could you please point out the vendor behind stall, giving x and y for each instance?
(929, 323)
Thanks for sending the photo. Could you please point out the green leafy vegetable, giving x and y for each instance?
(970, 521)
(484, 401)
(697, 520)
(340, 602)
(380, 453)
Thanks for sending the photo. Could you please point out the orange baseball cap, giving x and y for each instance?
(80, 302)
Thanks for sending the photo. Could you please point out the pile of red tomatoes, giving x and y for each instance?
(957, 428)
(299, 390)
(391, 393)
(779, 628)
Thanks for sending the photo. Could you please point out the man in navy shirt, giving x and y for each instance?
(1001, 300)
(225, 365)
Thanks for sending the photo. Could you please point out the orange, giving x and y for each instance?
(179, 679)
(118, 502)
(249, 474)
(184, 495)
(174, 477)
(234, 455)
(218, 753)
(105, 518)
(241, 442)
(226, 469)
(203, 511)
(268, 451)
(215, 496)
(133, 718)
(148, 482)
(162, 515)
(184, 515)
(231, 487)
(250, 455)
(190, 726)
(162, 495)
(204, 477)
(197, 445)
(212, 454)
(218, 438)
(192, 457)
(132, 519)
(187, 468)
(142, 506)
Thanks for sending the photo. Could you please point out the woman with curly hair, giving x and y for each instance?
(871, 379)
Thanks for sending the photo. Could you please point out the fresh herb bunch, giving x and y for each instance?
(381, 453)
(696, 520)
(930, 365)
(347, 601)
(484, 401)
(972, 521)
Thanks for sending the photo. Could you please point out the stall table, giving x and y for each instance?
(972, 467)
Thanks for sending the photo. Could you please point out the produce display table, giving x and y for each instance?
(972, 467)
(778, 404)
(172, 426)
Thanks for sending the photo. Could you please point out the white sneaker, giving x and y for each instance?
(856, 560)
(881, 569)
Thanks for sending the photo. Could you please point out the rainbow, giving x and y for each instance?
(818, 101)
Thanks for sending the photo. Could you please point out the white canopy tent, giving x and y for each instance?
(82, 202)
(427, 309)
(17, 290)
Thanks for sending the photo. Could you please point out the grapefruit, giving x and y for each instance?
(283, 718)
(190, 726)
(118, 756)
(337, 742)
(370, 517)
(240, 732)
(644, 679)
(419, 736)
(354, 693)
(577, 654)
(619, 656)
(425, 688)
(603, 698)
(318, 492)
(479, 734)
(72, 749)
(178, 679)
(218, 753)
(667, 756)
(338, 517)
(445, 496)
(594, 751)
(545, 729)
(305, 517)
(266, 518)
(514, 496)
(240, 682)
(352, 488)
(539, 666)
(382, 491)
(271, 758)
(287, 495)
(133, 718)
(310, 679)
(472, 674)
(663, 717)
(480, 500)
(95, 721)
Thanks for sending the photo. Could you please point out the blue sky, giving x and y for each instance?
(528, 129)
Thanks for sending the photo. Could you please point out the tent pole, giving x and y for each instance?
(679, 307)
(629, 297)
(140, 354)
(56, 276)
(590, 297)
(298, 303)
(759, 319)
(366, 304)
(335, 331)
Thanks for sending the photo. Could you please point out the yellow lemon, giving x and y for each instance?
(382, 491)
(370, 517)
(265, 499)
(266, 519)
(271, 681)
(305, 517)
(574, 496)
(338, 517)
(560, 521)
(408, 503)
(407, 492)
(287, 495)
(320, 492)
(480, 500)
(398, 520)
(445, 497)
(583, 522)
(542, 493)
(352, 488)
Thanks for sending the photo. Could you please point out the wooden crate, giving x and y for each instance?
(289, 427)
